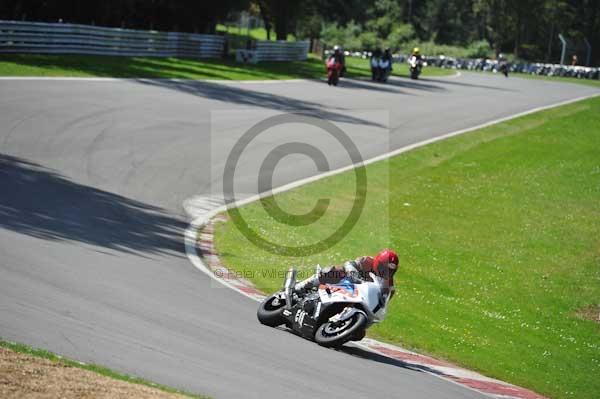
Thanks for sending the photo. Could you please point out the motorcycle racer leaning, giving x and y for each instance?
(384, 265)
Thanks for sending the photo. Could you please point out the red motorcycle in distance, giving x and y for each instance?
(334, 69)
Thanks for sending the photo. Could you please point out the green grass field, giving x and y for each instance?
(44, 354)
(177, 68)
(499, 236)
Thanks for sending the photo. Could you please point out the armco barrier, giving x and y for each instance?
(282, 51)
(58, 38)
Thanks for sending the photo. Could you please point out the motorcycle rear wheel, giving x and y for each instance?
(331, 336)
(270, 311)
(333, 77)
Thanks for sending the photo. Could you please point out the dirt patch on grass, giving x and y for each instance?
(24, 376)
(591, 312)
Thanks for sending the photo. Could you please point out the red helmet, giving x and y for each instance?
(386, 262)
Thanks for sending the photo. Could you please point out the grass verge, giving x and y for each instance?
(498, 231)
(176, 68)
(44, 354)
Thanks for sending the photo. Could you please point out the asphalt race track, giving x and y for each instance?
(93, 175)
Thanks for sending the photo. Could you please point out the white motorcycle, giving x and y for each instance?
(331, 315)
(415, 66)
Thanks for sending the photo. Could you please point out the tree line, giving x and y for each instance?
(165, 15)
(527, 29)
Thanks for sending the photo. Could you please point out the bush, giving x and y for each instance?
(401, 39)
(349, 36)
(352, 37)
(332, 33)
(400, 34)
(369, 41)
(479, 49)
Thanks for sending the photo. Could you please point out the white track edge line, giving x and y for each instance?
(191, 232)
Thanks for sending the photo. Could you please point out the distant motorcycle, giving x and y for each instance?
(415, 65)
(380, 69)
(503, 67)
(334, 69)
(331, 315)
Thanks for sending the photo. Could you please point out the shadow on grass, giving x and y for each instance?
(194, 69)
(39, 202)
(220, 69)
(175, 68)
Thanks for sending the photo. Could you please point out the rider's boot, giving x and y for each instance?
(312, 281)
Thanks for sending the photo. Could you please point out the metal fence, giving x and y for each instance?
(282, 51)
(264, 50)
(58, 38)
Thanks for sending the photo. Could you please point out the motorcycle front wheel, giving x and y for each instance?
(270, 311)
(331, 335)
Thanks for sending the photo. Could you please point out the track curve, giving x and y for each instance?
(93, 175)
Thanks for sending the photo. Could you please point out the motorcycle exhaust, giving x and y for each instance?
(288, 287)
